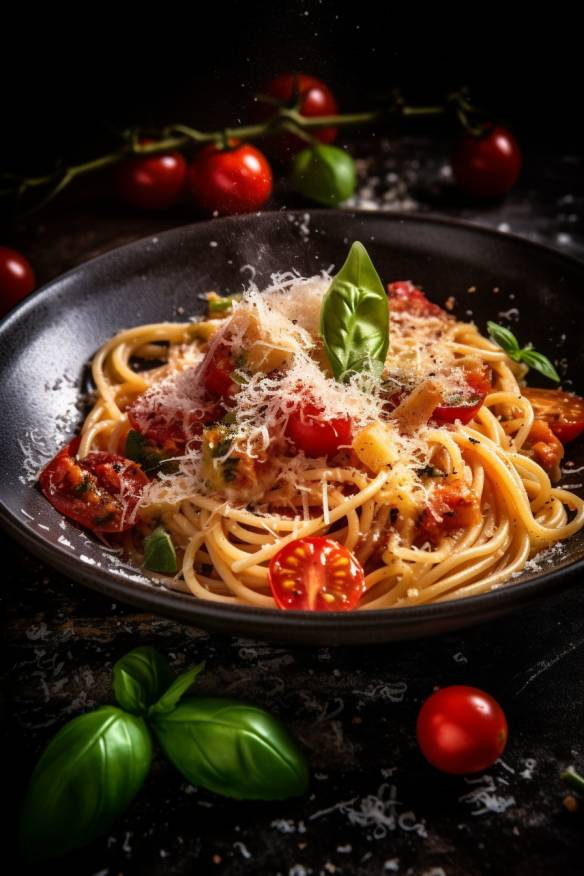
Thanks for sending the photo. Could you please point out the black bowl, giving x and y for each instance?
(46, 342)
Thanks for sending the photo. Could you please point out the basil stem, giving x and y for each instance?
(84, 780)
(232, 749)
(159, 552)
(354, 318)
(325, 174)
(509, 343)
(140, 679)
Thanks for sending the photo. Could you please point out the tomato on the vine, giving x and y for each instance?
(486, 166)
(89, 490)
(235, 179)
(315, 99)
(562, 411)
(152, 182)
(316, 436)
(461, 729)
(316, 574)
(17, 278)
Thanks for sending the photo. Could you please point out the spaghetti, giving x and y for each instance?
(432, 474)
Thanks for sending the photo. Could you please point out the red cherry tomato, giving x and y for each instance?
(464, 406)
(315, 436)
(154, 182)
(563, 411)
(233, 180)
(16, 278)
(217, 369)
(100, 491)
(461, 729)
(486, 166)
(316, 574)
(316, 99)
(404, 297)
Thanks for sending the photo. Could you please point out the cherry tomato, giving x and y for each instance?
(16, 278)
(461, 729)
(545, 447)
(217, 369)
(233, 180)
(464, 406)
(315, 436)
(404, 297)
(316, 574)
(316, 99)
(563, 411)
(486, 166)
(154, 182)
(100, 491)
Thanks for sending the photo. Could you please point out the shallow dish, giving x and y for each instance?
(45, 345)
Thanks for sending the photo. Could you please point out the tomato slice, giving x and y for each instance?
(315, 436)
(100, 491)
(464, 406)
(217, 369)
(316, 574)
(404, 297)
(563, 411)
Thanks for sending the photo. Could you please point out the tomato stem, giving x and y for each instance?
(177, 137)
(573, 778)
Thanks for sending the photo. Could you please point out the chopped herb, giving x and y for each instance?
(430, 471)
(83, 487)
(218, 306)
(159, 552)
(230, 469)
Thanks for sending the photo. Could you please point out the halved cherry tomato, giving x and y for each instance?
(563, 411)
(169, 430)
(464, 406)
(316, 574)
(316, 99)
(405, 297)
(315, 436)
(451, 505)
(545, 447)
(461, 729)
(100, 491)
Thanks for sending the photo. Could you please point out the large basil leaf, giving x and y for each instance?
(140, 678)
(325, 174)
(354, 319)
(233, 749)
(179, 686)
(84, 780)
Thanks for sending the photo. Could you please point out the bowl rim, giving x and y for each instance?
(154, 596)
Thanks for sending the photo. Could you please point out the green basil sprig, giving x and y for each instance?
(354, 318)
(509, 343)
(233, 749)
(96, 764)
(159, 552)
(85, 779)
(325, 174)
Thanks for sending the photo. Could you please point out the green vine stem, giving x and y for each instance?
(177, 137)
(573, 778)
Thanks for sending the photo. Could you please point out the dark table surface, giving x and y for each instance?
(374, 806)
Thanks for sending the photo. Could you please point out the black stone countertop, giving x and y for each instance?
(374, 806)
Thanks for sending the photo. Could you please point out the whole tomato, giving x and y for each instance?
(316, 99)
(486, 166)
(153, 182)
(235, 179)
(16, 278)
(461, 729)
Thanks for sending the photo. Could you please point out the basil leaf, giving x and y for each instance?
(325, 174)
(159, 552)
(540, 363)
(504, 338)
(233, 749)
(354, 318)
(174, 693)
(151, 457)
(140, 678)
(84, 780)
